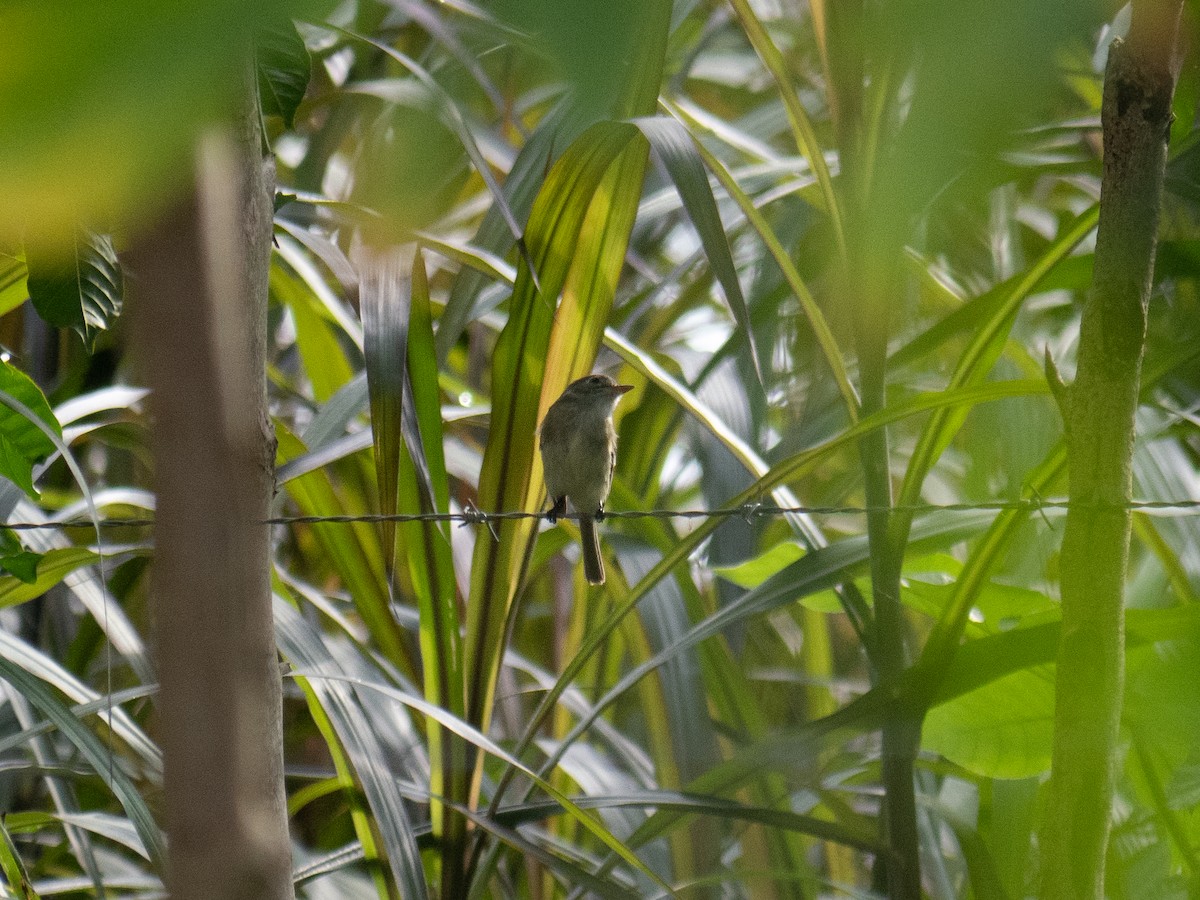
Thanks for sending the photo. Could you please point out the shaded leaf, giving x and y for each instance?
(22, 566)
(675, 147)
(282, 63)
(81, 291)
(13, 867)
(304, 647)
(98, 756)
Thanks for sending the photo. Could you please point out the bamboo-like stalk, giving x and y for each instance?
(1098, 412)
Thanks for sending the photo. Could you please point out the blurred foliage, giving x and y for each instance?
(466, 219)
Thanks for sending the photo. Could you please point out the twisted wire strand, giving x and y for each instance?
(747, 511)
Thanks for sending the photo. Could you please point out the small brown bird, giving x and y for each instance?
(579, 450)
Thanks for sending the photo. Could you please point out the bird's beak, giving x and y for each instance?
(622, 388)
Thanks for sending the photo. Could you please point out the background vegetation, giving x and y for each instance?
(829, 244)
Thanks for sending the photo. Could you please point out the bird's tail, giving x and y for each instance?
(589, 539)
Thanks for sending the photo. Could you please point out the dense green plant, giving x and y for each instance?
(830, 245)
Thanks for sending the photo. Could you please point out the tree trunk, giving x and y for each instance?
(200, 278)
(1098, 413)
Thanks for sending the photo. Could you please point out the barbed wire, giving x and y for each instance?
(747, 511)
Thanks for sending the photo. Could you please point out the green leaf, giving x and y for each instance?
(22, 566)
(721, 807)
(111, 98)
(317, 337)
(82, 290)
(13, 867)
(353, 550)
(754, 572)
(677, 150)
(13, 288)
(54, 566)
(980, 355)
(346, 708)
(283, 64)
(22, 443)
(1001, 730)
(801, 124)
(98, 756)
(519, 368)
(494, 237)
(484, 743)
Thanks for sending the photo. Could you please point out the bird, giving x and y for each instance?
(579, 450)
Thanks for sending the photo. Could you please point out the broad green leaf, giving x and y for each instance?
(282, 63)
(385, 299)
(1002, 730)
(54, 566)
(22, 566)
(938, 654)
(323, 355)
(423, 548)
(998, 691)
(754, 572)
(981, 661)
(996, 607)
(22, 443)
(82, 290)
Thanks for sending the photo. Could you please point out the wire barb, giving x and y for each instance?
(473, 515)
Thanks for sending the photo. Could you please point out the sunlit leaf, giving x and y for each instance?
(22, 443)
(1003, 730)
(754, 572)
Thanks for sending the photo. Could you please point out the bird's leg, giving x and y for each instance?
(559, 508)
(599, 517)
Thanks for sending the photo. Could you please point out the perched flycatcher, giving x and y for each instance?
(579, 450)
